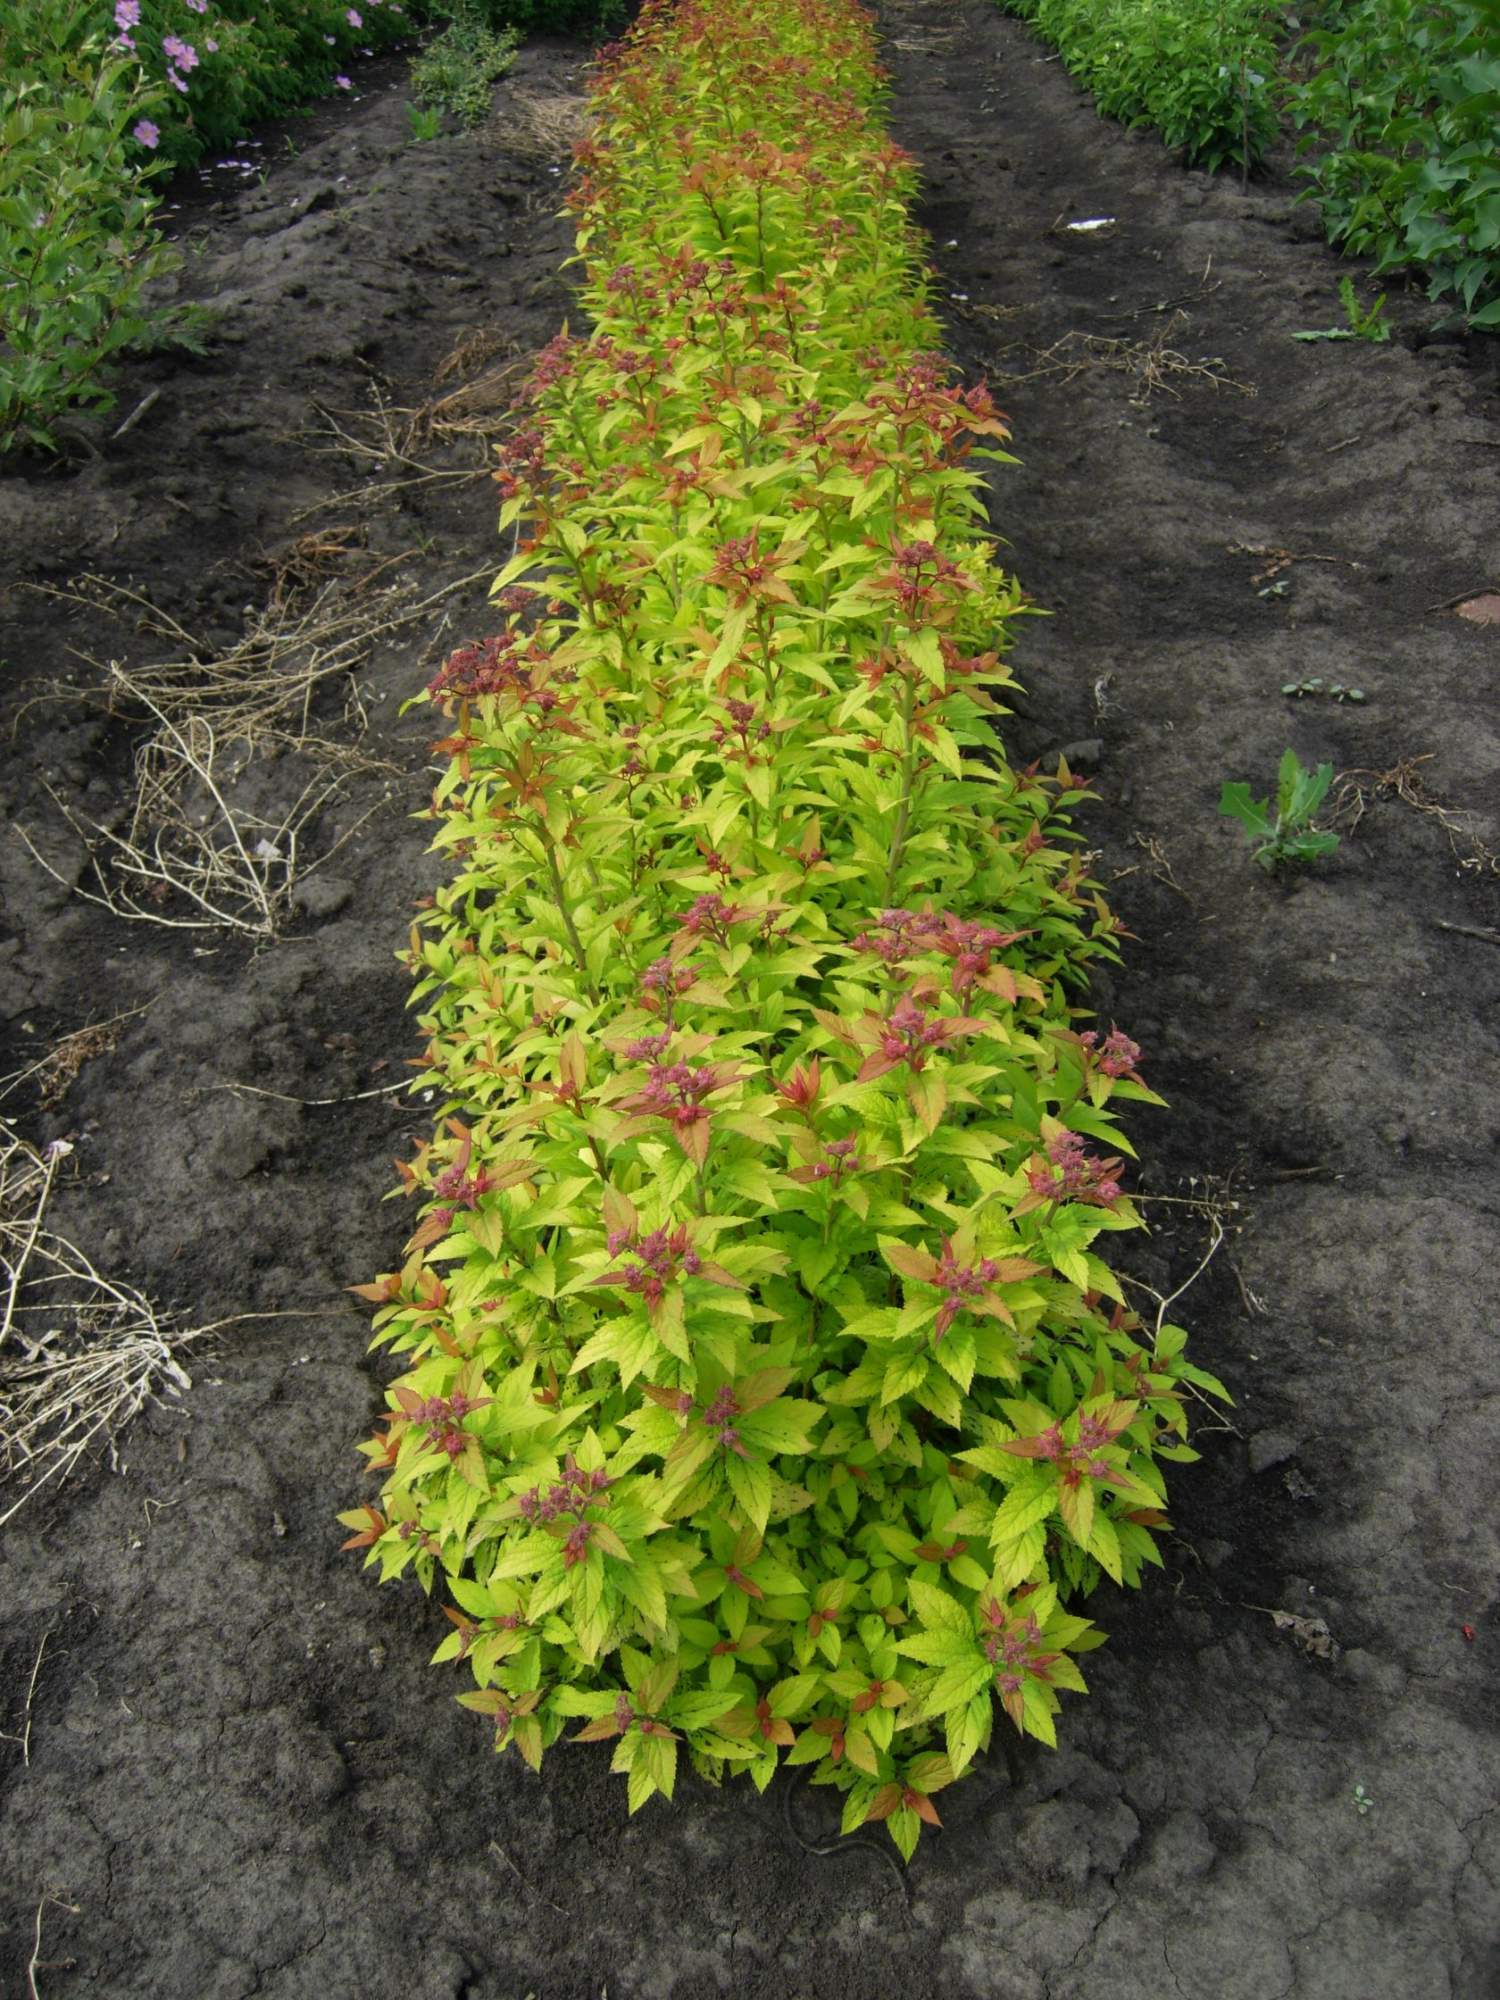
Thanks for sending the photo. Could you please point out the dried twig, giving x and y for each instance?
(1154, 364)
(235, 870)
(58, 1070)
(24, 1737)
(1166, 1300)
(1405, 780)
(1474, 589)
(386, 439)
(354, 1097)
(1202, 290)
(1279, 559)
(536, 125)
(1470, 930)
(190, 855)
(1216, 1204)
(34, 1963)
(1161, 866)
(83, 1354)
(496, 1848)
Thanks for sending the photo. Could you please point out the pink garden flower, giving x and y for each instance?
(146, 134)
(343, 83)
(355, 20)
(127, 14)
(177, 51)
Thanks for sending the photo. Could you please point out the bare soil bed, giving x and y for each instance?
(227, 1768)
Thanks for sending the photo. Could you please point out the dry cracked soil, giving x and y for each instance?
(228, 1771)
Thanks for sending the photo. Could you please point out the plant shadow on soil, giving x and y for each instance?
(228, 1770)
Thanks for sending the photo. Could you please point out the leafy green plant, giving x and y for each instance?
(1285, 837)
(537, 17)
(1200, 72)
(424, 124)
(764, 1396)
(77, 246)
(1329, 690)
(457, 71)
(1399, 103)
(1361, 322)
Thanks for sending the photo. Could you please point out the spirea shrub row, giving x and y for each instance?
(766, 1397)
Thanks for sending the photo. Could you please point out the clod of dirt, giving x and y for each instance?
(1312, 1634)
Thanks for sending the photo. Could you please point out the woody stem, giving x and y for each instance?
(560, 894)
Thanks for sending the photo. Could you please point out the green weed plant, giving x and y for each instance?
(458, 70)
(1367, 323)
(765, 1397)
(1283, 835)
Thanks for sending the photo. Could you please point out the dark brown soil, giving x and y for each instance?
(238, 1776)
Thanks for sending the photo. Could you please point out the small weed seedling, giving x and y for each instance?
(1362, 1800)
(425, 124)
(1333, 690)
(1364, 323)
(1289, 838)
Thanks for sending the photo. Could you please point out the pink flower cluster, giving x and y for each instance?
(711, 916)
(1074, 1174)
(901, 934)
(576, 1491)
(675, 1092)
(490, 667)
(1011, 1644)
(660, 1258)
(719, 1418)
(743, 725)
(521, 461)
(1117, 1055)
(661, 984)
(441, 1417)
(839, 1158)
(906, 1035)
(960, 1284)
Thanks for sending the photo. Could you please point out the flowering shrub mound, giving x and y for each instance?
(96, 98)
(225, 63)
(765, 1394)
(77, 244)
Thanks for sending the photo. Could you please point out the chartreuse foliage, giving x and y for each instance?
(1200, 72)
(766, 1395)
